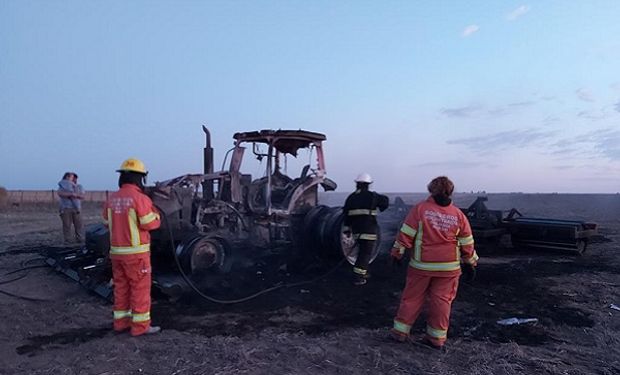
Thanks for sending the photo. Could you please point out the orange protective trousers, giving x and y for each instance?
(440, 292)
(132, 293)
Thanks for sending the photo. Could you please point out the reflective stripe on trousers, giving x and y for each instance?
(439, 292)
(122, 314)
(134, 317)
(401, 327)
(132, 294)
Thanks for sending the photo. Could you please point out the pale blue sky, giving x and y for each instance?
(499, 95)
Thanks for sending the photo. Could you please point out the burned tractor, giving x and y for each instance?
(219, 227)
(218, 218)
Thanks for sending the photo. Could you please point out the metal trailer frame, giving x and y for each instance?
(529, 232)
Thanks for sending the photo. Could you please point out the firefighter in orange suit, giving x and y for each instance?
(440, 239)
(130, 215)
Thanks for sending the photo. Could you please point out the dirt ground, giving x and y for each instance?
(328, 327)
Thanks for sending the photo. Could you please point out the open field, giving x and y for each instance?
(329, 327)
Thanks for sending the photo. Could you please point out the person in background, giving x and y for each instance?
(70, 205)
(130, 215)
(79, 190)
(360, 221)
(440, 237)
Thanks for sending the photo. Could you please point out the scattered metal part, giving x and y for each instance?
(514, 321)
(85, 267)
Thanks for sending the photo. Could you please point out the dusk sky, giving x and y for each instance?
(500, 96)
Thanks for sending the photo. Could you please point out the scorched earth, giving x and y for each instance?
(51, 325)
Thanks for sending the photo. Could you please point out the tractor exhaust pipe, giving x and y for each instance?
(207, 186)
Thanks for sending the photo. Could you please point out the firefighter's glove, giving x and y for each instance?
(469, 272)
(396, 258)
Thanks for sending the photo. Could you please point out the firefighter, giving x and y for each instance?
(440, 238)
(130, 215)
(360, 221)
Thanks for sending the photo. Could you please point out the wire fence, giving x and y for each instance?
(19, 197)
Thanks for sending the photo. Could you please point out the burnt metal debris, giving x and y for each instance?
(89, 269)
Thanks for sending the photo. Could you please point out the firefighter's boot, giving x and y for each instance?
(152, 330)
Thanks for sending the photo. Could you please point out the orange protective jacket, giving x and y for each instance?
(440, 238)
(130, 215)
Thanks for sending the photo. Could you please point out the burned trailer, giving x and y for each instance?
(490, 226)
(529, 232)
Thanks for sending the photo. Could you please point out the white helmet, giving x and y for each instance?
(364, 177)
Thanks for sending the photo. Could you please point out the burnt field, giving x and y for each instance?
(328, 326)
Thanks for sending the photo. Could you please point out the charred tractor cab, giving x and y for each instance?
(212, 215)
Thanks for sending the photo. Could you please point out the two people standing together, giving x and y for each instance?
(70, 195)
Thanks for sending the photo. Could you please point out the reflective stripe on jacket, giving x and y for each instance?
(360, 213)
(130, 215)
(441, 238)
